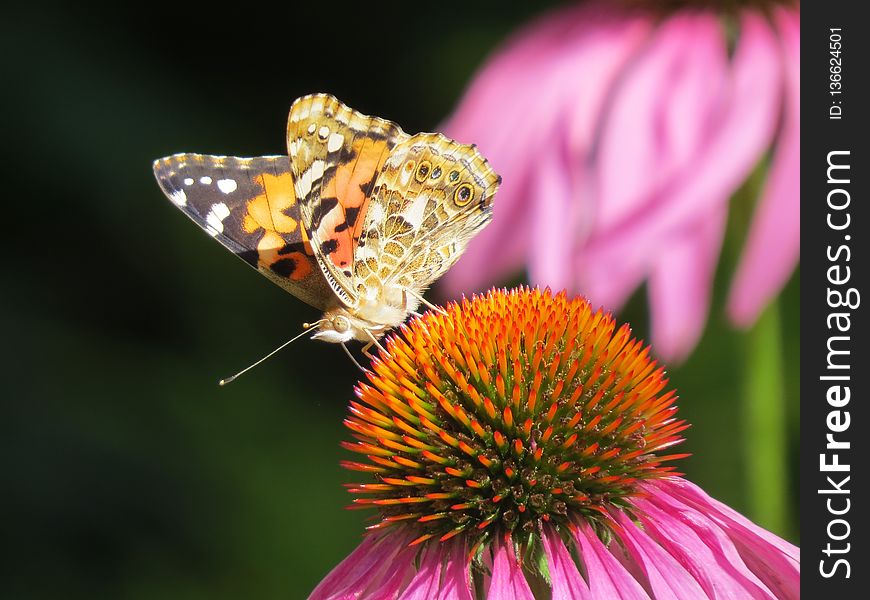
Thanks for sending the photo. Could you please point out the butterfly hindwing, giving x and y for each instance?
(249, 205)
(336, 154)
(430, 198)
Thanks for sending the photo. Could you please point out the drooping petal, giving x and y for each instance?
(662, 113)
(442, 575)
(425, 584)
(665, 577)
(773, 245)
(456, 582)
(508, 581)
(680, 285)
(563, 64)
(607, 577)
(702, 548)
(738, 132)
(566, 580)
(368, 565)
(775, 561)
(550, 257)
(396, 575)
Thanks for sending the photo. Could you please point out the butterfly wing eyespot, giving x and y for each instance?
(464, 194)
(423, 170)
(425, 216)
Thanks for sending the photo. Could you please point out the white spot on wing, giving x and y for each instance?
(301, 113)
(335, 142)
(215, 218)
(375, 212)
(308, 178)
(205, 180)
(414, 213)
(227, 186)
(188, 181)
(303, 184)
(323, 132)
(405, 176)
(317, 168)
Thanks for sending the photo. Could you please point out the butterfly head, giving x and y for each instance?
(339, 325)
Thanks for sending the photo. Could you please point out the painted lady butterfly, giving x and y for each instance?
(357, 221)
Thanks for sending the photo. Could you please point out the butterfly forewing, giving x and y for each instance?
(336, 154)
(249, 205)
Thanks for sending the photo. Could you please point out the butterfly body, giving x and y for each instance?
(357, 220)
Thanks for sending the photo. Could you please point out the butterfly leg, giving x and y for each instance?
(374, 342)
(409, 292)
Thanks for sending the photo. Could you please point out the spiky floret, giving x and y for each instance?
(510, 409)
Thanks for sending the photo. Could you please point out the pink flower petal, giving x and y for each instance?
(550, 258)
(606, 575)
(775, 561)
(702, 548)
(680, 286)
(394, 578)
(663, 112)
(665, 577)
(369, 564)
(566, 579)
(609, 281)
(773, 247)
(737, 134)
(456, 583)
(508, 581)
(426, 582)
(563, 63)
(442, 575)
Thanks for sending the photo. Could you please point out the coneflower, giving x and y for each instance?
(518, 446)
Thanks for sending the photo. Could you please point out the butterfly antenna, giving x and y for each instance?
(306, 326)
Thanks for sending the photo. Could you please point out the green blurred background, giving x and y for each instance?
(127, 472)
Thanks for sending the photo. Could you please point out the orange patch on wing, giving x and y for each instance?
(349, 177)
(250, 223)
(268, 247)
(303, 265)
(267, 209)
(269, 258)
(348, 185)
(341, 254)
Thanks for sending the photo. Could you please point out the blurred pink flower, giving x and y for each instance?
(682, 544)
(621, 135)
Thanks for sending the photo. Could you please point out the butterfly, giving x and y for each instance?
(357, 220)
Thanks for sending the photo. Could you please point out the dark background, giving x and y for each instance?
(126, 471)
